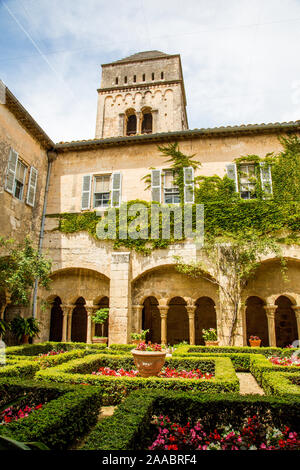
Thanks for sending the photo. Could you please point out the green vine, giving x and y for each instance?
(226, 214)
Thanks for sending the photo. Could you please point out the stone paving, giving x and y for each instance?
(248, 384)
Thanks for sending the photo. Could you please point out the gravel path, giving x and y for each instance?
(248, 384)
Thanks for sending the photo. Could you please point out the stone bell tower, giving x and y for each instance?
(141, 94)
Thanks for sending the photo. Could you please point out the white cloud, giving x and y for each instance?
(239, 58)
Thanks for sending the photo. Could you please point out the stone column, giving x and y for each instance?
(191, 313)
(139, 119)
(163, 310)
(120, 298)
(67, 321)
(136, 325)
(89, 329)
(296, 309)
(270, 311)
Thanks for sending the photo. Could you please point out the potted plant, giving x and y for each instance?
(254, 341)
(137, 337)
(210, 337)
(149, 358)
(25, 328)
(100, 318)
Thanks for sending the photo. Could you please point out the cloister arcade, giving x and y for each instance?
(172, 306)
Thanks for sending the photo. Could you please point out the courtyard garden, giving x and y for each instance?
(62, 396)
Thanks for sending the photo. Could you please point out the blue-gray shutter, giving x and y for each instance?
(116, 189)
(188, 173)
(266, 179)
(32, 186)
(11, 171)
(86, 192)
(156, 185)
(232, 174)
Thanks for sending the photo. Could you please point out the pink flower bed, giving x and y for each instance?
(166, 372)
(15, 413)
(284, 361)
(253, 435)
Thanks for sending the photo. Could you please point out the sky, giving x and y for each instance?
(241, 60)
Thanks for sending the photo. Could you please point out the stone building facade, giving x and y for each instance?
(146, 291)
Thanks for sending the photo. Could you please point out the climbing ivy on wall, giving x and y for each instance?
(225, 212)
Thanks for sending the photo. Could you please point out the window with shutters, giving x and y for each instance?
(102, 191)
(247, 181)
(171, 192)
(15, 175)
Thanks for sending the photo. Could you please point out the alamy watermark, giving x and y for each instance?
(140, 222)
(2, 92)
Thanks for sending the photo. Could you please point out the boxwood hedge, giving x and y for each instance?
(279, 383)
(260, 364)
(70, 414)
(269, 351)
(115, 388)
(130, 426)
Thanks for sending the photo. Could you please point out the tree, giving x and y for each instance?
(20, 266)
(229, 263)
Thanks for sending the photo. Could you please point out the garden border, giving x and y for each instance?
(61, 421)
(115, 388)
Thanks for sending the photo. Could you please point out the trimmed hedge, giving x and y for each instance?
(260, 364)
(241, 362)
(43, 348)
(25, 369)
(275, 383)
(130, 426)
(269, 351)
(61, 421)
(115, 388)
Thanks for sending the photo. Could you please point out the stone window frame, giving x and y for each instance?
(94, 177)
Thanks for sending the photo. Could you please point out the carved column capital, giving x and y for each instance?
(191, 310)
(67, 309)
(163, 310)
(270, 310)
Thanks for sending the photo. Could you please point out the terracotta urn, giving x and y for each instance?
(25, 339)
(149, 363)
(211, 343)
(255, 343)
(101, 340)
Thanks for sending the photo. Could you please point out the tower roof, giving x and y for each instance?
(139, 56)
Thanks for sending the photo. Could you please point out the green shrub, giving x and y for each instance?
(61, 421)
(260, 364)
(19, 369)
(115, 388)
(44, 348)
(269, 351)
(130, 426)
(278, 383)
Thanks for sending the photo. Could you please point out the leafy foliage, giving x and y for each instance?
(229, 263)
(20, 266)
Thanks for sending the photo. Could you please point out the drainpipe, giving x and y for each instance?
(51, 156)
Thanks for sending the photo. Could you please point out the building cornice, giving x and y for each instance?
(216, 132)
(27, 121)
(144, 59)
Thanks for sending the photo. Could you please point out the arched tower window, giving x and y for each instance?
(131, 122)
(147, 121)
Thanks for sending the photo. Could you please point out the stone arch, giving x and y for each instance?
(130, 122)
(256, 320)
(285, 322)
(151, 319)
(205, 317)
(71, 283)
(147, 120)
(56, 320)
(177, 321)
(79, 322)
